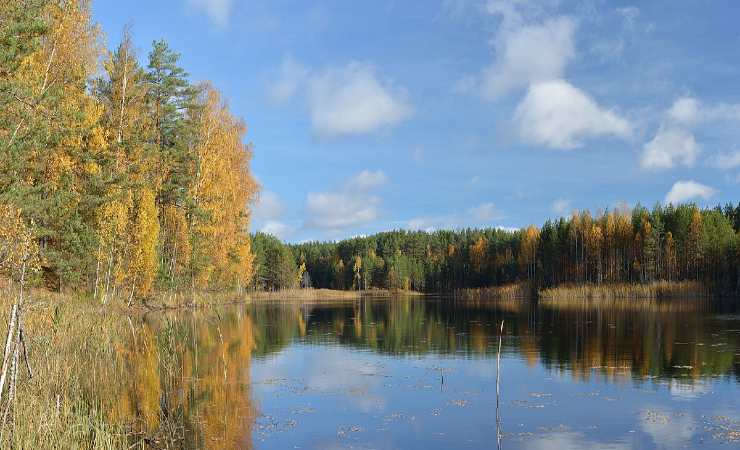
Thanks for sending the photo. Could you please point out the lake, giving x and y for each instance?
(420, 373)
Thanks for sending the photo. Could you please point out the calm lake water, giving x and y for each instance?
(421, 374)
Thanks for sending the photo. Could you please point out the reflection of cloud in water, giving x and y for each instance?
(682, 390)
(574, 441)
(338, 371)
(669, 429)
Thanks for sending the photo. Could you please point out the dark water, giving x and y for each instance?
(421, 374)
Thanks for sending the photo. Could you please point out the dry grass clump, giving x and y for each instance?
(506, 292)
(654, 290)
(318, 295)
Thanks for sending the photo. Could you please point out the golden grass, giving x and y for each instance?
(319, 295)
(654, 290)
(71, 347)
(512, 291)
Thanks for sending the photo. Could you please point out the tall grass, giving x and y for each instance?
(512, 291)
(318, 295)
(70, 351)
(654, 290)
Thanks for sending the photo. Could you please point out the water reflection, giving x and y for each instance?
(183, 381)
(645, 340)
(360, 371)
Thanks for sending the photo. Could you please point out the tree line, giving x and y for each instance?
(672, 243)
(129, 176)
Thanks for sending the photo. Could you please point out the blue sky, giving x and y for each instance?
(375, 115)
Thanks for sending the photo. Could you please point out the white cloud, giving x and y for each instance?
(561, 206)
(268, 206)
(278, 229)
(726, 161)
(485, 212)
(353, 100)
(337, 210)
(352, 205)
(685, 110)
(524, 54)
(291, 77)
(670, 146)
(216, 10)
(268, 211)
(688, 190)
(367, 180)
(689, 110)
(559, 115)
(347, 100)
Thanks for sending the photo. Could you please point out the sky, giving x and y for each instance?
(368, 116)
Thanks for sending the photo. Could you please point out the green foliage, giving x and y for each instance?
(274, 264)
(666, 243)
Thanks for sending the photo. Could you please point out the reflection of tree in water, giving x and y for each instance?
(665, 339)
(183, 381)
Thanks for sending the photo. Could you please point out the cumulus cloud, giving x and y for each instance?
(336, 210)
(684, 110)
(354, 100)
(352, 205)
(278, 229)
(688, 110)
(726, 161)
(485, 212)
(671, 146)
(529, 54)
(558, 115)
(688, 190)
(268, 206)
(216, 10)
(368, 179)
(268, 211)
(527, 50)
(674, 142)
(291, 76)
(347, 100)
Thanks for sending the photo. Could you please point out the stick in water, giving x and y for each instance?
(498, 380)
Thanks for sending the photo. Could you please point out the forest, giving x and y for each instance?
(668, 243)
(118, 175)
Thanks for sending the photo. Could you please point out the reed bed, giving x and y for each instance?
(515, 291)
(71, 349)
(652, 291)
(321, 295)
